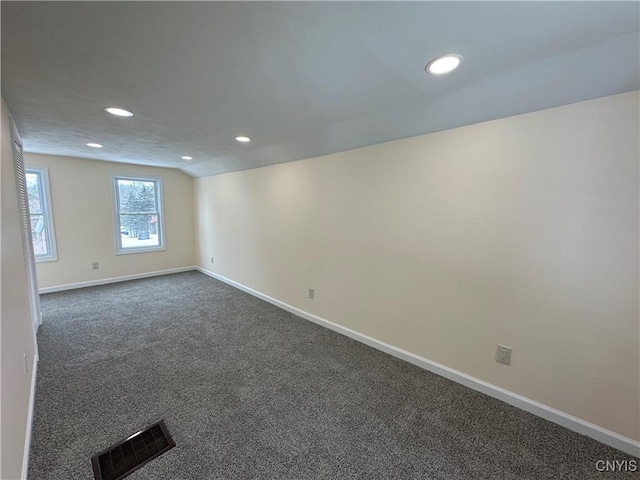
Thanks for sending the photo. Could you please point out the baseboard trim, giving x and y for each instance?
(104, 281)
(32, 403)
(576, 424)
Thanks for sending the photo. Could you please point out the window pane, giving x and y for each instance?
(39, 234)
(136, 196)
(139, 231)
(37, 183)
(138, 214)
(33, 192)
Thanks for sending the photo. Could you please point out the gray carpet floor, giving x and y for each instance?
(251, 391)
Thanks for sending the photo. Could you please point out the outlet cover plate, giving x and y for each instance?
(503, 354)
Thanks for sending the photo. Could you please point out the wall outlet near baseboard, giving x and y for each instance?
(95, 265)
(312, 293)
(211, 259)
(503, 354)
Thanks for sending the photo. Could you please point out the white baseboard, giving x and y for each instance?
(576, 424)
(32, 403)
(104, 281)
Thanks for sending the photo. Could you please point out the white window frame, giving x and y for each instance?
(47, 212)
(159, 215)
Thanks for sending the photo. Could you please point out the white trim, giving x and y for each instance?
(133, 250)
(104, 281)
(159, 215)
(613, 439)
(47, 205)
(32, 402)
(15, 132)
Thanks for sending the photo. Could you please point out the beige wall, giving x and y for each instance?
(521, 231)
(16, 330)
(83, 211)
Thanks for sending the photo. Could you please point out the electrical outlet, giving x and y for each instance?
(312, 293)
(26, 363)
(211, 259)
(95, 265)
(503, 354)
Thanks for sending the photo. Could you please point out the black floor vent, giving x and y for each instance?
(130, 454)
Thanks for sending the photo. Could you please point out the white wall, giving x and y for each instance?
(83, 211)
(16, 331)
(521, 231)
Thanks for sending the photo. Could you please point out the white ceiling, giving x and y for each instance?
(302, 79)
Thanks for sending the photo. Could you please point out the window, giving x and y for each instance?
(138, 214)
(43, 238)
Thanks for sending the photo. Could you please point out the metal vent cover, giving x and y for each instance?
(132, 453)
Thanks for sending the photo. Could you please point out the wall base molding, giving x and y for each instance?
(32, 404)
(576, 424)
(104, 281)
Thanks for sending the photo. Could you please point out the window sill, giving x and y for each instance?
(129, 251)
(46, 259)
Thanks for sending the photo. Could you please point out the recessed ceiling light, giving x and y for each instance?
(186, 157)
(443, 64)
(94, 145)
(243, 139)
(119, 112)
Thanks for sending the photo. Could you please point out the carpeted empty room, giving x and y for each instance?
(297, 240)
(248, 390)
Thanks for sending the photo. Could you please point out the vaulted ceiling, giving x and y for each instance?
(302, 79)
